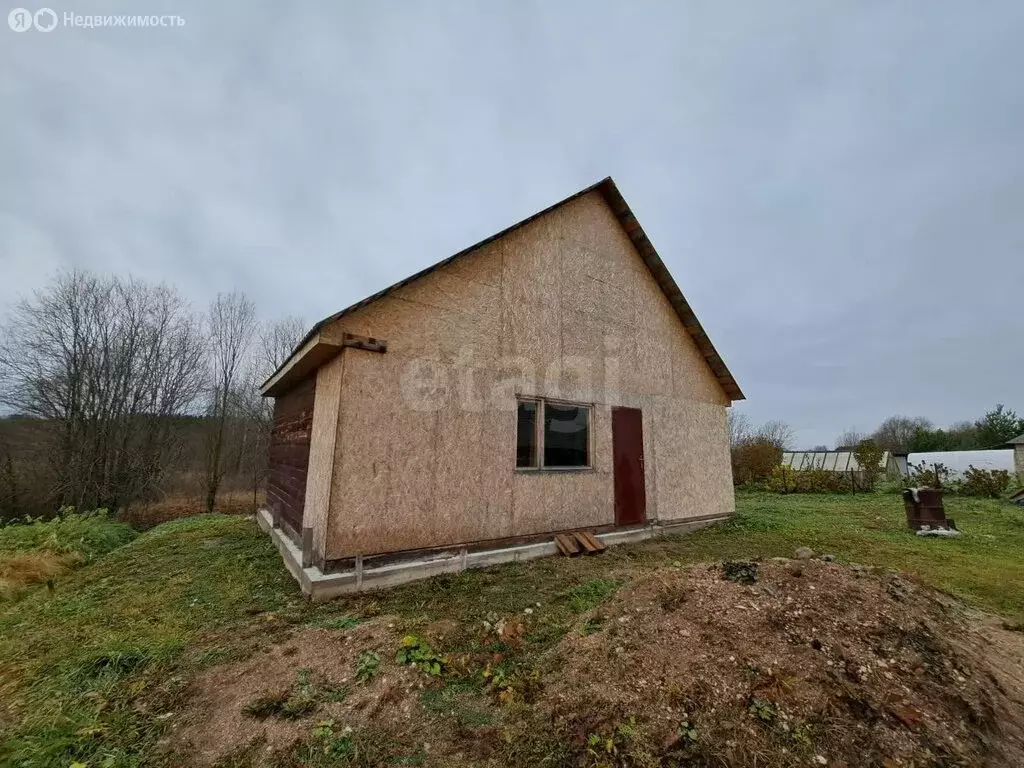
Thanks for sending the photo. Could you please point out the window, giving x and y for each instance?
(526, 438)
(560, 439)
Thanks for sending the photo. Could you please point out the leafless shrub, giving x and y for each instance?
(754, 460)
(756, 451)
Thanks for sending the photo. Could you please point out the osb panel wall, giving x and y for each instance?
(1018, 461)
(289, 453)
(562, 307)
(324, 432)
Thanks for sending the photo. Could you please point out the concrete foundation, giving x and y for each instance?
(322, 586)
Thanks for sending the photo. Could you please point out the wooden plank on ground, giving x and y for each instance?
(587, 545)
(567, 545)
(595, 542)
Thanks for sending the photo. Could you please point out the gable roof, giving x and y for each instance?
(627, 220)
(1018, 440)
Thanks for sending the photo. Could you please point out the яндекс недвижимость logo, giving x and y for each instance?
(46, 20)
(22, 19)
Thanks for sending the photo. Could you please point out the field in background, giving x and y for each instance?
(185, 504)
(27, 475)
(94, 671)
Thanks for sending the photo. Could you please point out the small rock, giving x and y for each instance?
(803, 553)
(827, 558)
(528, 611)
(820, 760)
(796, 569)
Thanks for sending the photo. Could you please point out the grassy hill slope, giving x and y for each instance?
(97, 671)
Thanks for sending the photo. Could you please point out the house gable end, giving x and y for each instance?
(566, 291)
(586, 255)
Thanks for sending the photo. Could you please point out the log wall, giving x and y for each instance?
(289, 454)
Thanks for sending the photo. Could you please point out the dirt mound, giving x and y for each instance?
(781, 663)
(274, 698)
(811, 664)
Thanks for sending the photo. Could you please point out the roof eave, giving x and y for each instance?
(313, 353)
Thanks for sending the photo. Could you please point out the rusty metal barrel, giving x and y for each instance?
(925, 509)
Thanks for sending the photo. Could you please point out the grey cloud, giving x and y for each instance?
(837, 187)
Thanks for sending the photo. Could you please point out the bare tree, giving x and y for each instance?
(849, 440)
(231, 323)
(277, 342)
(107, 363)
(740, 428)
(8, 480)
(776, 433)
(895, 433)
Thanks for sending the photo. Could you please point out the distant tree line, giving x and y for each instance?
(904, 434)
(116, 389)
(757, 450)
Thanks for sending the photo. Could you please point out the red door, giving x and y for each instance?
(628, 460)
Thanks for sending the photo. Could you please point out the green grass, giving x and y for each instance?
(984, 567)
(89, 672)
(74, 664)
(458, 701)
(89, 535)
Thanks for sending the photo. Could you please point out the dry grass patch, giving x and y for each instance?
(150, 514)
(18, 571)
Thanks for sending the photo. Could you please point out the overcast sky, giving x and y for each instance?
(837, 187)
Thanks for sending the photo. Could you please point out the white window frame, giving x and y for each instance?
(538, 434)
